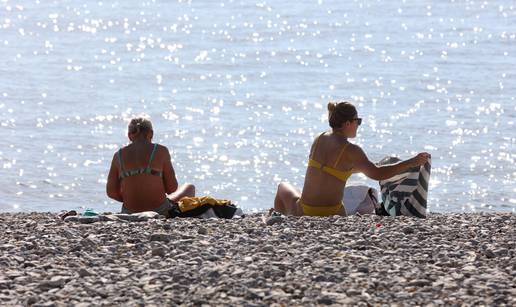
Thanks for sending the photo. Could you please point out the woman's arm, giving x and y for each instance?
(371, 170)
(169, 175)
(113, 188)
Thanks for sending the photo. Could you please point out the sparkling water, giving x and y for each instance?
(237, 90)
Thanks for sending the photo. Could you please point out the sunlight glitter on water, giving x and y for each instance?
(238, 91)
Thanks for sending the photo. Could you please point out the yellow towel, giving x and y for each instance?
(190, 203)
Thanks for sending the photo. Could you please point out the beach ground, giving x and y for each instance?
(445, 259)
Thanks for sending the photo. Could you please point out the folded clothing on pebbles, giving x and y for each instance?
(446, 259)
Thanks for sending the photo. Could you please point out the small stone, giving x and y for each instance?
(489, 253)
(158, 251)
(248, 259)
(408, 230)
(202, 231)
(214, 274)
(73, 218)
(161, 237)
(252, 294)
(353, 292)
(267, 248)
(88, 243)
(65, 214)
(53, 283)
(474, 242)
(4, 284)
(493, 285)
(501, 252)
(419, 283)
(84, 272)
(88, 219)
(325, 300)
(31, 300)
(274, 220)
(213, 258)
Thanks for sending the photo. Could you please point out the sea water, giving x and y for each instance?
(237, 90)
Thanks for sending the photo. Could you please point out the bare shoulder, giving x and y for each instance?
(116, 154)
(319, 136)
(356, 153)
(162, 147)
(354, 149)
(162, 150)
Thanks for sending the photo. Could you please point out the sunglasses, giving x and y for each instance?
(358, 120)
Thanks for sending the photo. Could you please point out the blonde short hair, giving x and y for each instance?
(139, 125)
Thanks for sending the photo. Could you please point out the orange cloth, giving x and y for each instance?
(190, 203)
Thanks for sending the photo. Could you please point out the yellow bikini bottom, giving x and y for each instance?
(337, 209)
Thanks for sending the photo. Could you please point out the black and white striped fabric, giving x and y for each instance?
(406, 193)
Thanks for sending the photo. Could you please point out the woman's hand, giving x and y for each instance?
(420, 159)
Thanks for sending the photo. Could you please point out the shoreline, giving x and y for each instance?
(447, 258)
(254, 211)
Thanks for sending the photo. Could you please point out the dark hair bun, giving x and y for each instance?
(331, 106)
(340, 112)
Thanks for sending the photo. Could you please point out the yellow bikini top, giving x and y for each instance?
(341, 175)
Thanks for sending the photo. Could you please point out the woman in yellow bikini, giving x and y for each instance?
(332, 160)
(142, 174)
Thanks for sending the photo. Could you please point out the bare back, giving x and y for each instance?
(321, 188)
(142, 191)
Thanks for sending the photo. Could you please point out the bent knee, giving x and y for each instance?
(282, 186)
(190, 189)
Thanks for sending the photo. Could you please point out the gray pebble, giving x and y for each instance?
(501, 252)
(83, 272)
(325, 300)
(31, 300)
(267, 248)
(158, 251)
(74, 218)
(419, 283)
(408, 230)
(274, 220)
(161, 237)
(88, 219)
(53, 283)
(212, 258)
(489, 253)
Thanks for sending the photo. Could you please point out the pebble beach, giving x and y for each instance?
(445, 259)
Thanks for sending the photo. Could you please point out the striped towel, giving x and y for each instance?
(406, 193)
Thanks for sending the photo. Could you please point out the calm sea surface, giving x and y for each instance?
(238, 90)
